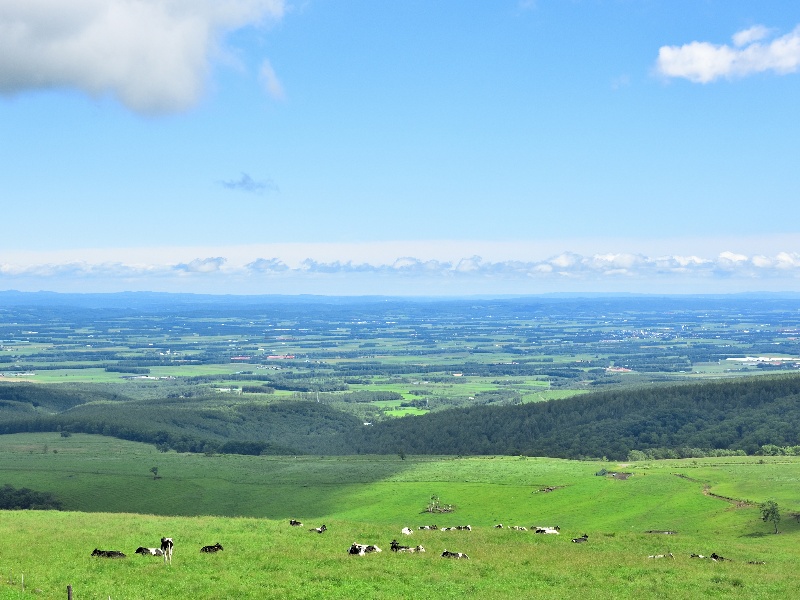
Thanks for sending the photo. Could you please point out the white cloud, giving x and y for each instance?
(202, 265)
(748, 36)
(152, 55)
(703, 62)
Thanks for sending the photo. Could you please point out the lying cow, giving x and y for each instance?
(551, 530)
(395, 547)
(319, 529)
(498, 526)
(518, 528)
(215, 548)
(108, 553)
(717, 557)
(407, 531)
(149, 551)
(458, 528)
(362, 549)
(582, 539)
(667, 555)
(166, 549)
(428, 527)
(295, 523)
(448, 554)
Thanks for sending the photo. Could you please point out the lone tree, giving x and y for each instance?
(154, 471)
(770, 513)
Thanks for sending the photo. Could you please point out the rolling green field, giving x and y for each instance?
(112, 501)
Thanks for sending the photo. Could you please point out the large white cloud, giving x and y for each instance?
(752, 52)
(153, 55)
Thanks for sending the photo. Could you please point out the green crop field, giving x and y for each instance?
(112, 501)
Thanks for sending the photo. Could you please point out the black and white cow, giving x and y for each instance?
(448, 554)
(319, 529)
(458, 528)
(215, 548)
(518, 528)
(295, 523)
(716, 557)
(149, 551)
(551, 530)
(108, 553)
(582, 539)
(398, 548)
(362, 549)
(667, 555)
(166, 549)
(407, 531)
(431, 527)
(498, 526)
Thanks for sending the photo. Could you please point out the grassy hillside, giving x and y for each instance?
(244, 502)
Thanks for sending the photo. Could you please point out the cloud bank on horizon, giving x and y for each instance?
(412, 276)
(152, 56)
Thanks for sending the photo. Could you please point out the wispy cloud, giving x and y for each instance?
(152, 55)
(751, 52)
(245, 183)
(269, 80)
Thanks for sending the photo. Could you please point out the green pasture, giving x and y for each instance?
(544, 395)
(245, 503)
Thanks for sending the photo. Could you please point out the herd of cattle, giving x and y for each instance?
(167, 544)
(165, 550)
(395, 546)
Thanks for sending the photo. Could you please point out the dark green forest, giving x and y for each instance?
(679, 420)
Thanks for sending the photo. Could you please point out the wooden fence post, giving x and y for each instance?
(69, 592)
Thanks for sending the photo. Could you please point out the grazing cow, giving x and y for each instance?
(428, 527)
(407, 531)
(395, 547)
(756, 562)
(582, 539)
(295, 523)
(667, 555)
(108, 553)
(362, 549)
(552, 530)
(149, 551)
(448, 554)
(319, 529)
(697, 556)
(215, 548)
(518, 528)
(458, 528)
(166, 549)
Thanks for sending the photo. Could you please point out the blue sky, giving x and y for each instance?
(410, 147)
